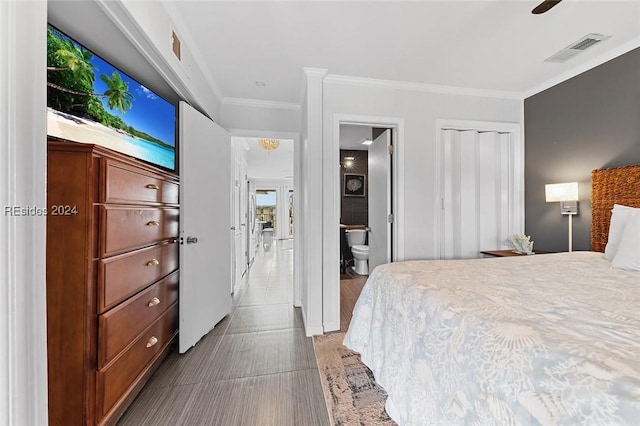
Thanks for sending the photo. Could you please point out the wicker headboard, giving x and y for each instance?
(611, 186)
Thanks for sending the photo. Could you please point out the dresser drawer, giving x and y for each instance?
(124, 275)
(114, 380)
(124, 228)
(127, 185)
(122, 324)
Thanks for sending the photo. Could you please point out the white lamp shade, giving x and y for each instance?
(561, 191)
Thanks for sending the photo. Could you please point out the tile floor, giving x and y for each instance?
(256, 367)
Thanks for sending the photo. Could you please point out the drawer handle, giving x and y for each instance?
(153, 302)
(153, 223)
(153, 262)
(152, 341)
(152, 186)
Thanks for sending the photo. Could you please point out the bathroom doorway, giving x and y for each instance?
(332, 208)
(366, 207)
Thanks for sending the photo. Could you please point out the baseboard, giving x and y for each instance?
(310, 330)
(331, 326)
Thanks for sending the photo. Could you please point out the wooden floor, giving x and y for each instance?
(350, 287)
(256, 367)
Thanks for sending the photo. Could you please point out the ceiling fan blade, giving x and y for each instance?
(544, 6)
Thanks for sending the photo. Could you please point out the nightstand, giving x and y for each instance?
(508, 253)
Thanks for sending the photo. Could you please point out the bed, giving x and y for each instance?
(544, 339)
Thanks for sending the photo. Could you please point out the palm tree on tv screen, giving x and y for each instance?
(118, 92)
(74, 75)
(75, 60)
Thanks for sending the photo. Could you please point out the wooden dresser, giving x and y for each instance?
(112, 279)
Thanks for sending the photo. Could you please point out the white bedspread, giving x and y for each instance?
(545, 339)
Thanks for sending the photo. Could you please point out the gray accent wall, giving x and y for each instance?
(591, 121)
(355, 210)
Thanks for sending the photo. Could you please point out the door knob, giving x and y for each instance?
(192, 240)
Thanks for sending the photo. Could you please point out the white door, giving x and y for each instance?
(477, 179)
(379, 188)
(205, 221)
(236, 228)
(251, 224)
(242, 258)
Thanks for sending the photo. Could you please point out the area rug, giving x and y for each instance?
(352, 395)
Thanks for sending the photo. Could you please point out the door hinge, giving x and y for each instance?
(389, 149)
(390, 218)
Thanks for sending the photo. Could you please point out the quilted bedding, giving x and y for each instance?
(545, 339)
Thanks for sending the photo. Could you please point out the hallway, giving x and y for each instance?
(256, 367)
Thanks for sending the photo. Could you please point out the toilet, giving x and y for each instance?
(360, 251)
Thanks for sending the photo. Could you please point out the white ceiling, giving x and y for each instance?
(484, 45)
(352, 135)
(263, 164)
(488, 45)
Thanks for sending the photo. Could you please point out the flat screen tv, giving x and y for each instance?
(91, 101)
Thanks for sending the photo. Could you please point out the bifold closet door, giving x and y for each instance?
(477, 179)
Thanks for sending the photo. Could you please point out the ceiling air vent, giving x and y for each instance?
(578, 47)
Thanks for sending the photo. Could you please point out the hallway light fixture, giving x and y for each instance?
(269, 144)
(567, 195)
(366, 142)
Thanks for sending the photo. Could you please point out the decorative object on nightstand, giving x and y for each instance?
(567, 195)
(520, 243)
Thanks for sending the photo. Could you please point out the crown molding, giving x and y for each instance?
(257, 103)
(420, 87)
(246, 133)
(586, 66)
(315, 72)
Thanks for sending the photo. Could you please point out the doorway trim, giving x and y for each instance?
(23, 171)
(331, 201)
(516, 131)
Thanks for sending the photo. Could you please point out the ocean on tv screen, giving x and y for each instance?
(91, 101)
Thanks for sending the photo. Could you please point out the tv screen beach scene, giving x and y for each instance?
(90, 101)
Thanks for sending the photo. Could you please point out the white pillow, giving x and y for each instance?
(628, 255)
(619, 217)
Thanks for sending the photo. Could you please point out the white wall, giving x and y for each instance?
(300, 195)
(419, 111)
(311, 189)
(415, 163)
(260, 117)
(23, 345)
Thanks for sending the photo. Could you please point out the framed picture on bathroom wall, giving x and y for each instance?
(354, 185)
